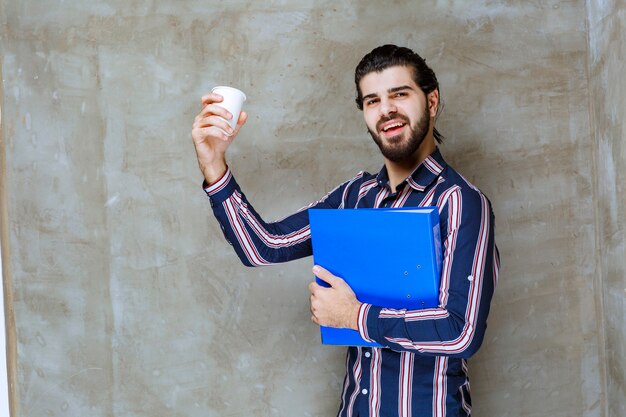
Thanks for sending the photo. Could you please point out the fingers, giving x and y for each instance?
(243, 116)
(313, 287)
(211, 98)
(201, 134)
(326, 276)
(214, 115)
(210, 121)
(215, 109)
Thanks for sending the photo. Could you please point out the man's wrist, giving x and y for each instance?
(214, 172)
(354, 320)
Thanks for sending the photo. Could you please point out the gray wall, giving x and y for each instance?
(607, 52)
(128, 301)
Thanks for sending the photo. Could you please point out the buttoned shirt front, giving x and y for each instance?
(422, 368)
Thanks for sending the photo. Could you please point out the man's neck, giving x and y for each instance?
(399, 171)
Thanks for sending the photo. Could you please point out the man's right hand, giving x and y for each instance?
(212, 135)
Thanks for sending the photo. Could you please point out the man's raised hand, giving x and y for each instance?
(212, 135)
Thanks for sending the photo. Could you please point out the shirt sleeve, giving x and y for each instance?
(469, 273)
(255, 241)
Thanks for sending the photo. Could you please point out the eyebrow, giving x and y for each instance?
(391, 90)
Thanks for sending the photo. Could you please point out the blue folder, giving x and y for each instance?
(390, 257)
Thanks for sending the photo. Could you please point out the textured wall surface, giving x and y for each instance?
(607, 57)
(128, 301)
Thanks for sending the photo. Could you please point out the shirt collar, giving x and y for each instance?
(424, 175)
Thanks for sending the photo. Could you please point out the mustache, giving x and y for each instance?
(392, 116)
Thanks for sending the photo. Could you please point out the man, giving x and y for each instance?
(422, 370)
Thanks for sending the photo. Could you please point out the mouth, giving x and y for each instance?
(392, 128)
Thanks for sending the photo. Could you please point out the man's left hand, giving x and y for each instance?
(335, 306)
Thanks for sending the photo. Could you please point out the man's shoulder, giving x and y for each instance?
(467, 189)
(356, 183)
(362, 177)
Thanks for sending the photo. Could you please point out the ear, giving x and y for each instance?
(432, 101)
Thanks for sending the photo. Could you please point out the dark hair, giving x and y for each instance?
(386, 56)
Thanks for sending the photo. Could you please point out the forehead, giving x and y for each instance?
(380, 82)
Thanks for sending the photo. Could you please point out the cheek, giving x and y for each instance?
(416, 113)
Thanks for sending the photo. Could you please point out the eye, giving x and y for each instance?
(371, 101)
(401, 94)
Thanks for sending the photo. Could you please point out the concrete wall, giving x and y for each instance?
(4, 375)
(127, 300)
(607, 23)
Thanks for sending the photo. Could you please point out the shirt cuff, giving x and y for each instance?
(368, 322)
(221, 189)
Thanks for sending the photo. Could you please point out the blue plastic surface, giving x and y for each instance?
(390, 257)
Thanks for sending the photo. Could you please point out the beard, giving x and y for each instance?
(397, 148)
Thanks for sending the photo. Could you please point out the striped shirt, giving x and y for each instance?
(422, 370)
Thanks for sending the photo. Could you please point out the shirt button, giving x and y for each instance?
(364, 391)
(367, 354)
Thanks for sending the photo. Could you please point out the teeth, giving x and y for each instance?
(386, 128)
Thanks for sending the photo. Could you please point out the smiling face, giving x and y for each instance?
(397, 113)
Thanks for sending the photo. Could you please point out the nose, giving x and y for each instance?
(387, 107)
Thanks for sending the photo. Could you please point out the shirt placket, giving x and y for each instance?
(364, 387)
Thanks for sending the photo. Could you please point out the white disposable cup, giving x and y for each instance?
(233, 100)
